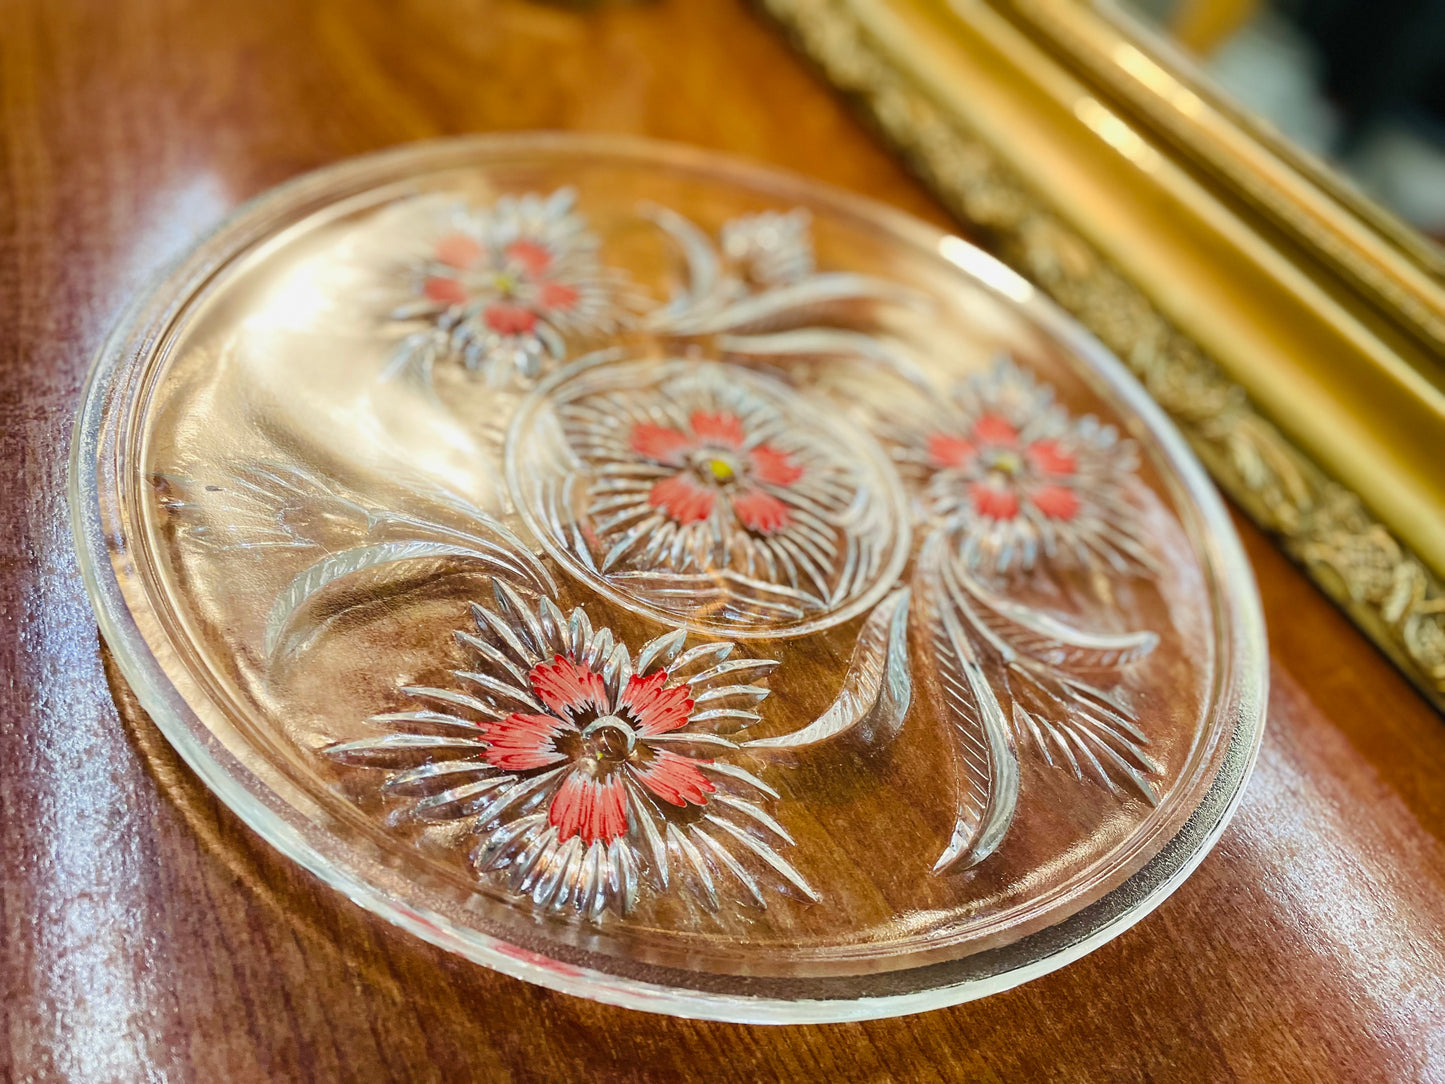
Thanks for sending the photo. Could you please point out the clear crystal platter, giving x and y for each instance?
(668, 581)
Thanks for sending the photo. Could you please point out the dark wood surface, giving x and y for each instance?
(147, 935)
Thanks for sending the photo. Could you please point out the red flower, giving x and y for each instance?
(710, 490)
(1018, 479)
(557, 296)
(715, 464)
(531, 255)
(506, 318)
(1004, 474)
(506, 286)
(1049, 457)
(515, 278)
(459, 251)
(583, 769)
(445, 291)
(606, 743)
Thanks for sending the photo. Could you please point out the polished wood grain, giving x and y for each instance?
(145, 934)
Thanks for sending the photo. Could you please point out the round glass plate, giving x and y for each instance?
(668, 581)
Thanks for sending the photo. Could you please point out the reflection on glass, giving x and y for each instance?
(1359, 82)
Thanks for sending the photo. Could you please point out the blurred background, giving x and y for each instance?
(1360, 83)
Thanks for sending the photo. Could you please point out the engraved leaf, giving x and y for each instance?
(1073, 723)
(271, 505)
(819, 342)
(877, 688)
(1048, 640)
(262, 506)
(1084, 729)
(482, 533)
(794, 303)
(349, 562)
(771, 247)
(704, 270)
(985, 757)
(718, 299)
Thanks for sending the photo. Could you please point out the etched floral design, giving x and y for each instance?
(772, 248)
(690, 481)
(704, 476)
(504, 287)
(700, 487)
(272, 506)
(716, 468)
(757, 294)
(586, 770)
(1008, 485)
(1015, 479)
(606, 738)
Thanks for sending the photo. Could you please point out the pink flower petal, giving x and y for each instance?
(657, 710)
(444, 291)
(567, 688)
(761, 512)
(774, 466)
(583, 806)
(1056, 502)
(530, 254)
(994, 503)
(557, 296)
(947, 450)
(720, 428)
(996, 430)
(681, 499)
(505, 318)
(459, 251)
(674, 778)
(520, 742)
(1049, 457)
(659, 443)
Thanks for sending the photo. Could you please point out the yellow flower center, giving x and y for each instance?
(721, 469)
(1007, 463)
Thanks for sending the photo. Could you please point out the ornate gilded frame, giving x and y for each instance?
(1294, 332)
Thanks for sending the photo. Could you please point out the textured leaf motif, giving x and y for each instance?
(278, 506)
(263, 506)
(877, 688)
(338, 566)
(986, 761)
(1048, 640)
(794, 304)
(719, 298)
(1073, 723)
(1084, 729)
(818, 342)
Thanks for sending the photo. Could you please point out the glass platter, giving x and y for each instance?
(668, 581)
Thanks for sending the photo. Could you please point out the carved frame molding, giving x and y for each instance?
(1389, 592)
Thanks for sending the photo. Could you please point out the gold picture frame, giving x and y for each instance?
(1294, 332)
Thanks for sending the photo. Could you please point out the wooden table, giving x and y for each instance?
(147, 935)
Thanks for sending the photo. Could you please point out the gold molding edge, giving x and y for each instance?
(1384, 588)
(1362, 242)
